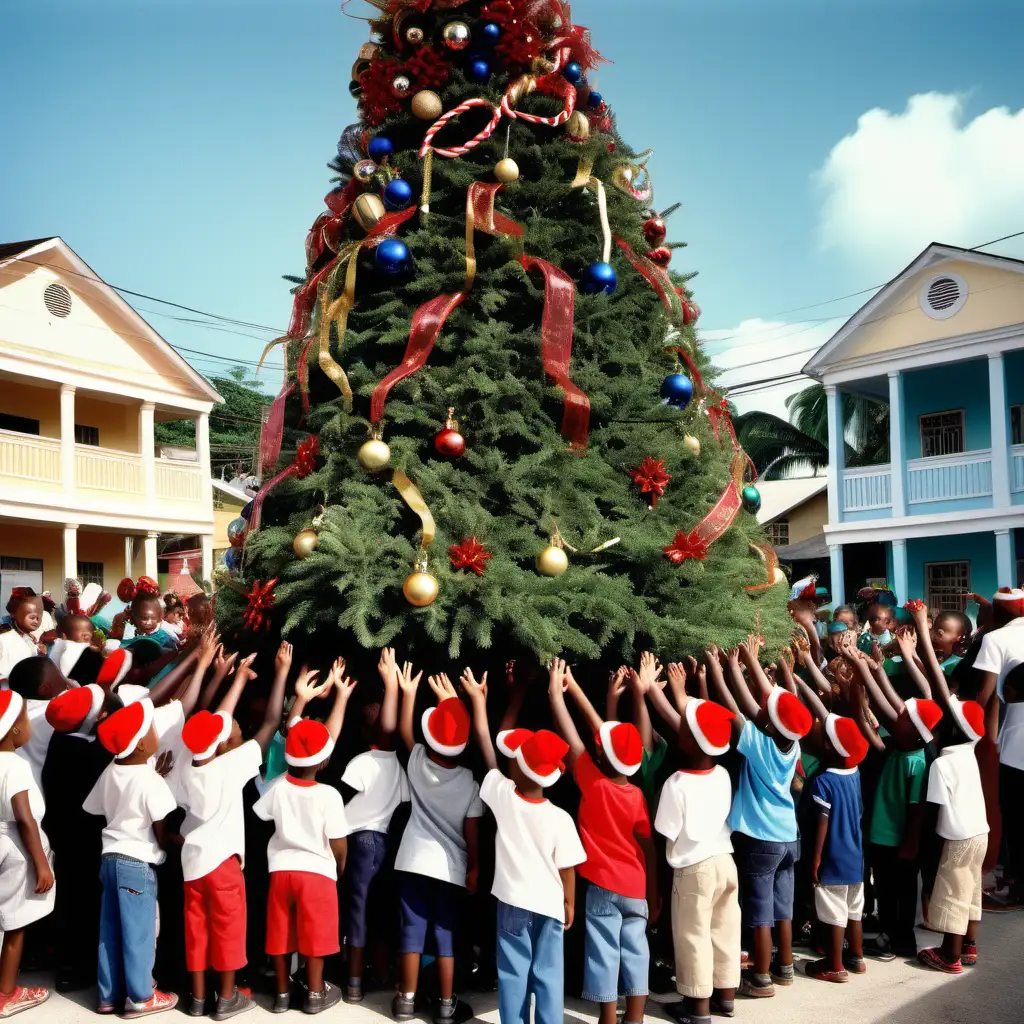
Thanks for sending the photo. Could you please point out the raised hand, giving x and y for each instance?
(650, 670)
(442, 686)
(510, 674)
(408, 682)
(677, 675)
(343, 684)
(223, 662)
(475, 690)
(556, 676)
(307, 688)
(283, 658)
(387, 667)
(245, 671)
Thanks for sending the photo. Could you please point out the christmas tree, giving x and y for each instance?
(497, 432)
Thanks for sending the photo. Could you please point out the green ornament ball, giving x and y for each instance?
(751, 499)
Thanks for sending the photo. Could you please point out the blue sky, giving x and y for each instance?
(180, 146)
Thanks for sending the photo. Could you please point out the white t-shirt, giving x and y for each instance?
(433, 843)
(693, 813)
(131, 797)
(954, 783)
(307, 815)
(535, 841)
(168, 720)
(1001, 651)
(42, 732)
(214, 826)
(16, 777)
(381, 786)
(15, 647)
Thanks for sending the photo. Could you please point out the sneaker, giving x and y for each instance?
(933, 959)
(722, 1007)
(880, 948)
(677, 1011)
(403, 1007)
(782, 975)
(196, 1007)
(354, 990)
(22, 999)
(282, 1002)
(756, 986)
(969, 954)
(822, 970)
(317, 1002)
(663, 977)
(855, 964)
(1000, 904)
(158, 1002)
(238, 1003)
(452, 1011)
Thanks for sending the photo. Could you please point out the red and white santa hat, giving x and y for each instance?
(1011, 600)
(804, 590)
(710, 725)
(540, 757)
(925, 714)
(66, 654)
(446, 727)
(508, 741)
(75, 710)
(205, 732)
(847, 739)
(970, 716)
(788, 714)
(308, 743)
(116, 665)
(11, 704)
(122, 732)
(622, 745)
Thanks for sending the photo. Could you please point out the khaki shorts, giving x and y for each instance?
(838, 905)
(956, 894)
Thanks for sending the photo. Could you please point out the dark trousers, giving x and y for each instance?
(1011, 803)
(895, 891)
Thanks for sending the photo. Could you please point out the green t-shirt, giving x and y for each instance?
(649, 766)
(900, 784)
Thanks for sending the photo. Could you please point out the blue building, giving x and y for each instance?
(943, 345)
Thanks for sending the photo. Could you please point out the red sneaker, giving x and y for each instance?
(969, 954)
(932, 959)
(22, 999)
(157, 1003)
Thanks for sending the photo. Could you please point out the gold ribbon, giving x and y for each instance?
(336, 311)
(428, 169)
(411, 496)
(585, 179)
(560, 542)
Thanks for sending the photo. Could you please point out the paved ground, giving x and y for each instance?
(897, 993)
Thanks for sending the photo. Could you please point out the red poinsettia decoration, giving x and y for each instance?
(261, 601)
(686, 545)
(306, 456)
(651, 477)
(471, 555)
(377, 99)
(521, 38)
(428, 68)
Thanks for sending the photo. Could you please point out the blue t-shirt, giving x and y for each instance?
(836, 791)
(763, 805)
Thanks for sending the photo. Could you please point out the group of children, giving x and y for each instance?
(755, 817)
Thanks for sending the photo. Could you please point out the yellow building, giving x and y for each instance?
(228, 503)
(83, 380)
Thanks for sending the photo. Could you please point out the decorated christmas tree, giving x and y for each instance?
(497, 435)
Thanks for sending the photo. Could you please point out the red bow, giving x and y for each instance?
(650, 476)
(471, 555)
(684, 546)
(261, 601)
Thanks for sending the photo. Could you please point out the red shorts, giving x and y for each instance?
(302, 914)
(215, 919)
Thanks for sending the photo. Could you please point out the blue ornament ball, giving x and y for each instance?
(392, 256)
(599, 277)
(594, 100)
(751, 499)
(490, 33)
(233, 558)
(380, 146)
(397, 194)
(677, 389)
(573, 72)
(479, 70)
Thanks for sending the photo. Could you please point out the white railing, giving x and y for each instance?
(179, 481)
(869, 487)
(1017, 467)
(30, 458)
(105, 469)
(947, 477)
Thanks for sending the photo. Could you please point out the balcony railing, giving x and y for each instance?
(105, 469)
(29, 458)
(1017, 468)
(947, 477)
(867, 488)
(179, 481)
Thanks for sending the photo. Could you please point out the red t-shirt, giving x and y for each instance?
(611, 817)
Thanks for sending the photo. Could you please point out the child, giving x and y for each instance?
(213, 852)
(881, 622)
(693, 813)
(616, 832)
(305, 855)
(134, 800)
(437, 857)
(379, 786)
(951, 635)
(536, 852)
(21, 639)
(25, 895)
(38, 680)
(144, 617)
(174, 616)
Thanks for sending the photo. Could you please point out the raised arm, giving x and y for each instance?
(176, 680)
(222, 665)
(886, 710)
(750, 655)
(343, 687)
(616, 688)
(811, 699)
(660, 702)
(810, 663)
(738, 685)
(719, 689)
(785, 671)
(409, 684)
(275, 702)
(931, 663)
(907, 644)
(516, 696)
(557, 683)
(307, 689)
(593, 719)
(477, 693)
(243, 674)
(641, 683)
(387, 667)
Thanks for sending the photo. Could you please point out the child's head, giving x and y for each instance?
(26, 611)
(129, 733)
(147, 613)
(174, 608)
(78, 710)
(967, 719)
(620, 749)
(845, 614)
(705, 730)
(1007, 605)
(880, 618)
(784, 717)
(78, 629)
(916, 723)
(446, 728)
(200, 614)
(209, 734)
(37, 678)
(308, 748)
(538, 762)
(950, 633)
(845, 745)
(15, 728)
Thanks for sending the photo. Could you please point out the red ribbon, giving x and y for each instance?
(698, 541)
(556, 346)
(657, 278)
(691, 365)
(272, 432)
(719, 413)
(304, 464)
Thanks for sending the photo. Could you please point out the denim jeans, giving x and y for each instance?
(616, 946)
(367, 852)
(127, 946)
(529, 960)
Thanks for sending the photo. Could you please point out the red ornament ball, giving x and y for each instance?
(655, 231)
(450, 443)
(662, 256)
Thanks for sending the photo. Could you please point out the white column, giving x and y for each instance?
(67, 439)
(900, 575)
(206, 543)
(835, 557)
(1006, 575)
(897, 452)
(836, 453)
(147, 445)
(1000, 434)
(129, 556)
(71, 551)
(150, 549)
(203, 451)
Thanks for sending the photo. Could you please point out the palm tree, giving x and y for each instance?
(781, 448)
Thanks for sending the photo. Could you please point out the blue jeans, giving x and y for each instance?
(529, 960)
(616, 941)
(127, 930)
(366, 854)
(767, 879)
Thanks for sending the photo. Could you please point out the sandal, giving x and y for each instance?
(932, 959)
(22, 999)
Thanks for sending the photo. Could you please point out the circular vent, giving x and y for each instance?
(943, 296)
(57, 299)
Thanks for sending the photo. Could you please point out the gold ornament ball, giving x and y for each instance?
(552, 561)
(414, 35)
(427, 106)
(506, 171)
(374, 455)
(368, 210)
(364, 171)
(456, 35)
(693, 444)
(420, 588)
(305, 542)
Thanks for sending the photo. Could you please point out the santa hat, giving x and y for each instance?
(787, 714)
(508, 741)
(925, 714)
(446, 727)
(11, 704)
(847, 739)
(75, 710)
(122, 732)
(116, 666)
(308, 743)
(66, 654)
(540, 757)
(803, 590)
(205, 732)
(970, 716)
(1010, 601)
(622, 745)
(710, 724)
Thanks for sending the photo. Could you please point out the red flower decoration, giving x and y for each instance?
(685, 546)
(428, 68)
(471, 555)
(521, 38)
(261, 601)
(377, 99)
(305, 457)
(915, 604)
(650, 476)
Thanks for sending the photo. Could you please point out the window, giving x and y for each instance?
(90, 572)
(778, 533)
(947, 585)
(19, 424)
(87, 435)
(11, 563)
(1017, 424)
(942, 433)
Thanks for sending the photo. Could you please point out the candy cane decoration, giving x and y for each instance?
(482, 136)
